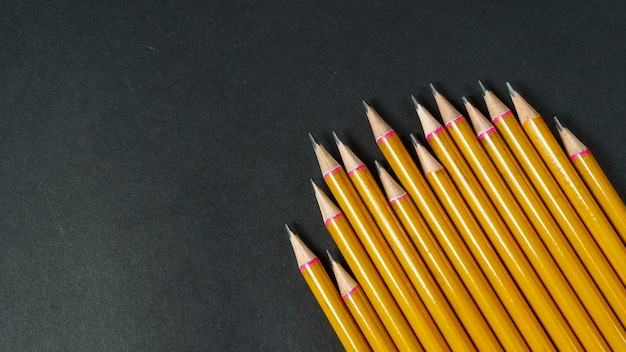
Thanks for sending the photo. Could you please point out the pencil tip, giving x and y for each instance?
(313, 141)
(330, 257)
(414, 140)
(289, 232)
(379, 166)
(559, 126)
(511, 90)
(433, 90)
(366, 106)
(336, 138)
(465, 101)
(416, 104)
(482, 87)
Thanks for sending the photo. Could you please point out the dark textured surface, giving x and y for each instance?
(152, 152)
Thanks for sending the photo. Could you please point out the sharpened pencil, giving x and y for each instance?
(412, 263)
(404, 167)
(409, 302)
(595, 178)
(546, 310)
(327, 296)
(362, 311)
(562, 210)
(573, 186)
(546, 226)
(366, 273)
(495, 195)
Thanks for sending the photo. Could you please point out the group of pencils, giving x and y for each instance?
(502, 240)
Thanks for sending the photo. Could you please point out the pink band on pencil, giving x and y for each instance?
(495, 118)
(582, 152)
(398, 197)
(331, 171)
(439, 129)
(345, 295)
(331, 218)
(310, 262)
(486, 132)
(356, 168)
(387, 134)
(455, 120)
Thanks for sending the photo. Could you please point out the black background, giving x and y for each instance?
(151, 151)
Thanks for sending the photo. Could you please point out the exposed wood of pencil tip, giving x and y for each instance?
(302, 252)
(495, 106)
(328, 209)
(378, 125)
(345, 282)
(571, 143)
(391, 187)
(479, 121)
(427, 120)
(524, 110)
(428, 162)
(324, 159)
(446, 109)
(350, 160)
(483, 91)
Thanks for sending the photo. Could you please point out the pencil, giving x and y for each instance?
(413, 308)
(558, 204)
(487, 216)
(595, 178)
(411, 219)
(401, 162)
(362, 311)
(509, 293)
(527, 280)
(365, 272)
(412, 263)
(546, 226)
(573, 186)
(454, 160)
(327, 296)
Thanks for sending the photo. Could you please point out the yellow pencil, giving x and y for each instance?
(454, 159)
(558, 204)
(573, 186)
(366, 273)
(595, 178)
(527, 280)
(402, 163)
(413, 308)
(364, 314)
(327, 296)
(546, 226)
(535, 336)
(414, 266)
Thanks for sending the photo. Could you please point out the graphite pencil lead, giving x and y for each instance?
(379, 166)
(482, 87)
(366, 106)
(414, 140)
(558, 124)
(416, 104)
(336, 138)
(465, 101)
(330, 257)
(313, 141)
(511, 90)
(289, 232)
(433, 89)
